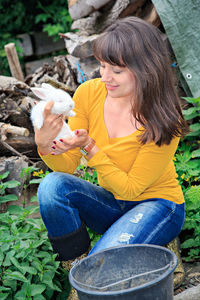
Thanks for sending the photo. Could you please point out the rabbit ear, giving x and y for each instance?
(39, 92)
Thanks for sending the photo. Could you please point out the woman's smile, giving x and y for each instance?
(110, 87)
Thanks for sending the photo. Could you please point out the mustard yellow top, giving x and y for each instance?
(125, 167)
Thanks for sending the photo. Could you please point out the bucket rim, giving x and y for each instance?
(151, 283)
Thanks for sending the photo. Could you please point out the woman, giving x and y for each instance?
(128, 124)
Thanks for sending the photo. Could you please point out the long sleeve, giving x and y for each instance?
(66, 162)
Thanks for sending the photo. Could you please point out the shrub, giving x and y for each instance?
(187, 164)
(29, 269)
(22, 16)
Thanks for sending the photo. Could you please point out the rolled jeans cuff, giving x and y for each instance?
(71, 245)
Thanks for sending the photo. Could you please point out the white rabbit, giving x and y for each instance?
(63, 104)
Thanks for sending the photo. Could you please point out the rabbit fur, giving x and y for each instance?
(63, 104)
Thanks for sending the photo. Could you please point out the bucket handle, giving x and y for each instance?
(124, 280)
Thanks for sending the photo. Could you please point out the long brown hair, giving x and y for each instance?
(131, 42)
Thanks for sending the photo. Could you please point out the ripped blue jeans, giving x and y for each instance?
(66, 201)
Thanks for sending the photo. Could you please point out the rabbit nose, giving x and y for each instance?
(71, 106)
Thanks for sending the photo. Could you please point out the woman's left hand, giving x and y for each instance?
(80, 139)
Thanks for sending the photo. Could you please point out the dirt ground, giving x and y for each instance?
(192, 276)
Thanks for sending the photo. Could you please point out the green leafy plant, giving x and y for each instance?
(55, 18)
(4, 185)
(192, 113)
(29, 269)
(187, 165)
(191, 226)
(20, 16)
(16, 17)
(186, 159)
(87, 174)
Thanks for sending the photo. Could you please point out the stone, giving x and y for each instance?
(192, 293)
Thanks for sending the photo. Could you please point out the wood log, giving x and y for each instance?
(20, 146)
(13, 61)
(12, 85)
(13, 130)
(14, 151)
(97, 22)
(131, 8)
(152, 16)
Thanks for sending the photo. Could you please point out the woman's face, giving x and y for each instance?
(119, 81)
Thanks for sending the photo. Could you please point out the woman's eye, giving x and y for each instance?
(117, 71)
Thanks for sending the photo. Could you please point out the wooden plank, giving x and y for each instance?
(44, 44)
(13, 61)
(26, 44)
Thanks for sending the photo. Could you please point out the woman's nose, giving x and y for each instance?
(106, 75)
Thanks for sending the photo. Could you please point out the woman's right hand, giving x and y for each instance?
(51, 126)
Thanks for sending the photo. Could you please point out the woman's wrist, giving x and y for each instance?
(87, 147)
(44, 150)
(93, 151)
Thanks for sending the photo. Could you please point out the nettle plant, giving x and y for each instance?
(187, 165)
(29, 269)
(28, 266)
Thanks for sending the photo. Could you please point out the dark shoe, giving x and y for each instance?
(71, 245)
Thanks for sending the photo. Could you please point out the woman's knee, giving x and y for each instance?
(50, 187)
(47, 184)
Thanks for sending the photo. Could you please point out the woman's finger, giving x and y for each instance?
(47, 109)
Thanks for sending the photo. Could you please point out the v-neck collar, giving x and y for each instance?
(104, 124)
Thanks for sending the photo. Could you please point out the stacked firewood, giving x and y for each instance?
(90, 17)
